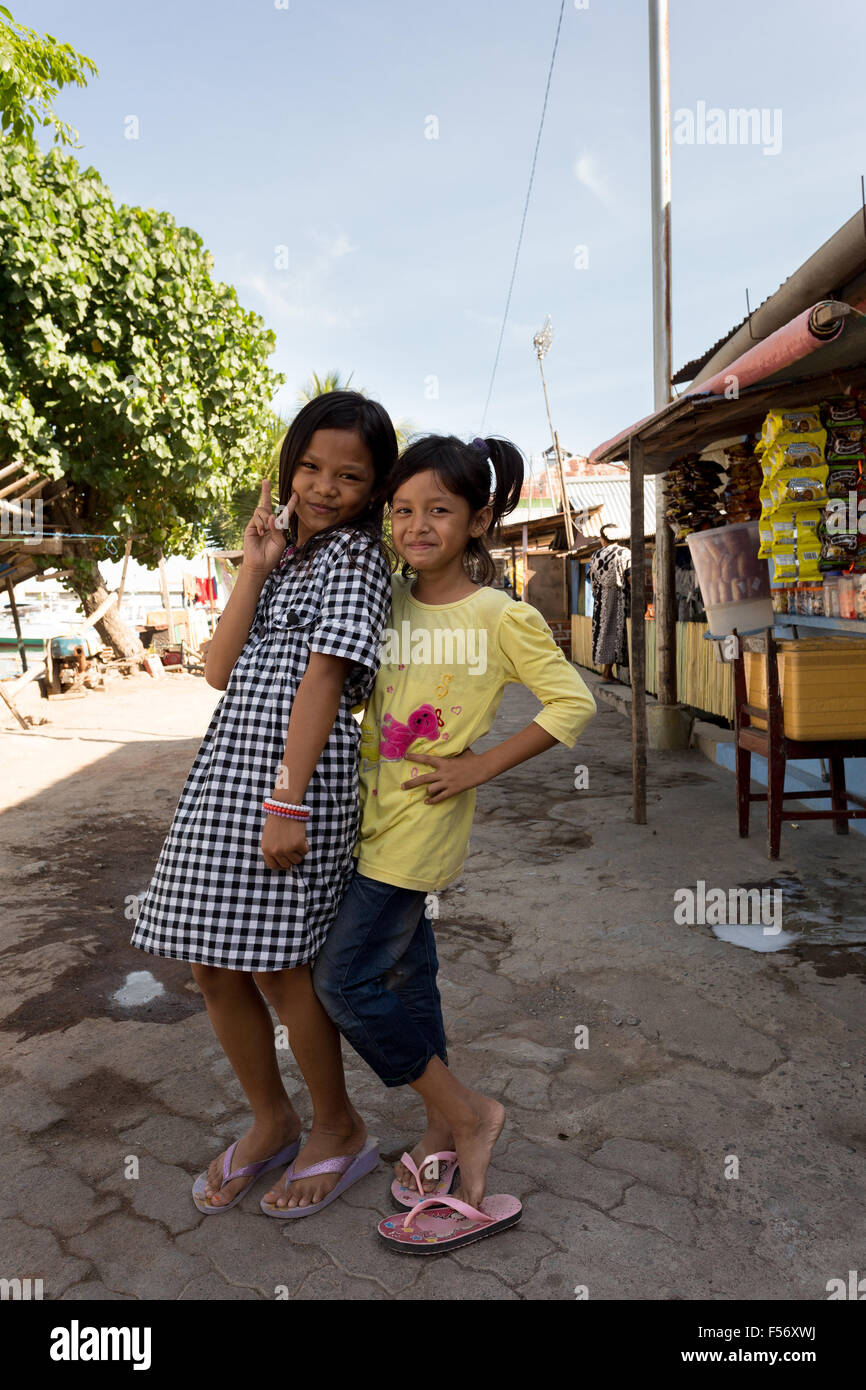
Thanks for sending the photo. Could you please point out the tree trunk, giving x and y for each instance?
(114, 632)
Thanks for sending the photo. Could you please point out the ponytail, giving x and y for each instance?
(507, 462)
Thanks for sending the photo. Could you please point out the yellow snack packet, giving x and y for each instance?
(803, 422)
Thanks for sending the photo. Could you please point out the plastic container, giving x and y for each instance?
(831, 595)
(860, 595)
(846, 597)
(818, 601)
(823, 686)
(734, 583)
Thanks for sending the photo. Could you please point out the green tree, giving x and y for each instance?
(127, 374)
(33, 68)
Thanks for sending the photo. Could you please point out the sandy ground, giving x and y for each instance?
(699, 1052)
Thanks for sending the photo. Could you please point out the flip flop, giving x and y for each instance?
(440, 1229)
(252, 1170)
(351, 1166)
(430, 1169)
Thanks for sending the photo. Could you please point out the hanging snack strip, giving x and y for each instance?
(741, 495)
(692, 495)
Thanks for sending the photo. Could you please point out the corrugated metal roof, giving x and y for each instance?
(615, 496)
(829, 272)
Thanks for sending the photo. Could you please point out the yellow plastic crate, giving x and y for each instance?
(823, 686)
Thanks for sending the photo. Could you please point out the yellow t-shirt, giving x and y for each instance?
(444, 668)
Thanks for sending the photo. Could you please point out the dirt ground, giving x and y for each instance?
(699, 1051)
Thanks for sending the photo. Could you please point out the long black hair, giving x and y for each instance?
(465, 470)
(341, 410)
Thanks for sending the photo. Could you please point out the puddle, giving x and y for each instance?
(140, 988)
(818, 918)
(754, 938)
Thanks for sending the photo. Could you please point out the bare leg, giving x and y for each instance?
(242, 1023)
(476, 1122)
(337, 1127)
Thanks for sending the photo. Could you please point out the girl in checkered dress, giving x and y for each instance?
(247, 894)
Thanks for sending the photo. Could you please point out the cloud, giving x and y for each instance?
(300, 293)
(586, 172)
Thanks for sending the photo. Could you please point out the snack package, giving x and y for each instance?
(845, 477)
(785, 562)
(808, 545)
(837, 551)
(844, 441)
(792, 453)
(765, 533)
(792, 484)
(840, 410)
(802, 423)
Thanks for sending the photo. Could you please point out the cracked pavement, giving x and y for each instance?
(698, 1051)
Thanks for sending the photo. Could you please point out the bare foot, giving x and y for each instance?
(437, 1138)
(260, 1141)
(475, 1142)
(322, 1143)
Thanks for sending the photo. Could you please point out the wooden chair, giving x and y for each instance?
(773, 745)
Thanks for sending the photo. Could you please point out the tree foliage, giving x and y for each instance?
(33, 68)
(125, 368)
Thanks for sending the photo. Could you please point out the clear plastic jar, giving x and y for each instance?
(818, 607)
(831, 596)
(860, 596)
(847, 608)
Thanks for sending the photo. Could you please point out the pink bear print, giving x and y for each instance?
(397, 738)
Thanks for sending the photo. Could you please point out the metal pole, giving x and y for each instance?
(660, 164)
(638, 633)
(566, 509)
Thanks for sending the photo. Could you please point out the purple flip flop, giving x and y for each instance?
(351, 1166)
(252, 1170)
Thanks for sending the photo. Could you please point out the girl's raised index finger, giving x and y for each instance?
(265, 499)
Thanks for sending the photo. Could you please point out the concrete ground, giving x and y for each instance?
(706, 1142)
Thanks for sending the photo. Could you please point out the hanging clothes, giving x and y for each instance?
(606, 572)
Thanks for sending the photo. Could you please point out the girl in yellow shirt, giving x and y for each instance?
(452, 645)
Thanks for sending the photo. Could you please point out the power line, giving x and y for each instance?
(523, 219)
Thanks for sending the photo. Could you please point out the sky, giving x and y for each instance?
(387, 145)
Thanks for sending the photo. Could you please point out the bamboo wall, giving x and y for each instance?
(702, 681)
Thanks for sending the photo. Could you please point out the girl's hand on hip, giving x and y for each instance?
(284, 842)
(450, 777)
(264, 541)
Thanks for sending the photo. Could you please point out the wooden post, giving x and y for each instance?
(166, 597)
(211, 585)
(22, 651)
(123, 572)
(638, 631)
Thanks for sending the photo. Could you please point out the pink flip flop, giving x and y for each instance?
(352, 1167)
(439, 1229)
(408, 1196)
(252, 1170)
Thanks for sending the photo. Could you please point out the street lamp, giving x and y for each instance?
(541, 342)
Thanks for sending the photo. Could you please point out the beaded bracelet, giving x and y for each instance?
(285, 808)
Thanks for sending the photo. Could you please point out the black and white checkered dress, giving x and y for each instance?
(212, 899)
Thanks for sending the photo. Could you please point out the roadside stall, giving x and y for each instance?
(804, 374)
